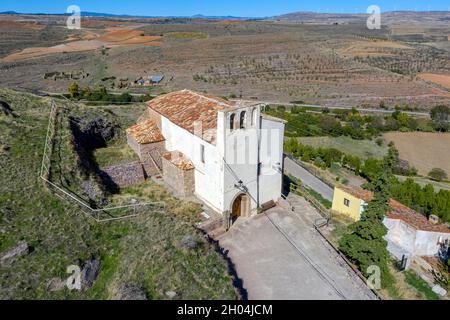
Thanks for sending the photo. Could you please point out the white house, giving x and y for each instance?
(226, 153)
(409, 232)
(413, 234)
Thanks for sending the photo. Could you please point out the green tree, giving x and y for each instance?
(441, 116)
(87, 92)
(365, 245)
(74, 90)
(291, 146)
(437, 174)
(372, 169)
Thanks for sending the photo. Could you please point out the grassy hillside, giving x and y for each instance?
(143, 252)
(361, 148)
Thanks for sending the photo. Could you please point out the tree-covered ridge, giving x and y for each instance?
(351, 123)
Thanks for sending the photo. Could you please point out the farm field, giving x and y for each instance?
(423, 150)
(361, 148)
(440, 79)
(320, 63)
(113, 38)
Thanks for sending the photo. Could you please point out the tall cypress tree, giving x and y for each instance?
(365, 245)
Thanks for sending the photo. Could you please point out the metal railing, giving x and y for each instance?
(324, 212)
(98, 214)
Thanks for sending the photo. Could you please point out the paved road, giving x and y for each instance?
(308, 179)
(279, 255)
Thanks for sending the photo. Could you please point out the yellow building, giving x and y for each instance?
(350, 201)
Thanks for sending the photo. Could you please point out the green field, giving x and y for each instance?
(361, 148)
(143, 252)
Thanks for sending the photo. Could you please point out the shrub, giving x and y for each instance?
(320, 163)
(74, 90)
(440, 115)
(438, 174)
(379, 142)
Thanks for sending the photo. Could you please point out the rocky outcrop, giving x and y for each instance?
(89, 273)
(188, 242)
(88, 135)
(18, 250)
(130, 291)
(55, 284)
(6, 109)
(127, 174)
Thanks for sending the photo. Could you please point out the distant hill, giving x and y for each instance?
(9, 12)
(112, 15)
(438, 18)
(391, 17)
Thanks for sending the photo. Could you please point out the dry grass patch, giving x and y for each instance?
(440, 79)
(187, 35)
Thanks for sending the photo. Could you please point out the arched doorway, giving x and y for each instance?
(240, 207)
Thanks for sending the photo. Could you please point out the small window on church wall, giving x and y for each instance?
(254, 115)
(232, 118)
(243, 120)
(202, 153)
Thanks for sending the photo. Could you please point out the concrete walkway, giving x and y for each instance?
(279, 255)
(308, 179)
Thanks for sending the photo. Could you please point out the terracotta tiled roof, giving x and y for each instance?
(413, 218)
(145, 132)
(179, 159)
(399, 211)
(358, 192)
(185, 107)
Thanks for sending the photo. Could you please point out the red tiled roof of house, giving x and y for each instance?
(186, 107)
(145, 132)
(178, 159)
(413, 218)
(358, 192)
(399, 211)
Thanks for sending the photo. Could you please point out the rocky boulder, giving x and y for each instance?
(131, 291)
(18, 250)
(188, 242)
(89, 273)
(6, 109)
(55, 284)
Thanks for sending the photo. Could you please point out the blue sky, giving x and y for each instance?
(248, 8)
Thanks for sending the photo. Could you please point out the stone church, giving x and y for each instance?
(227, 154)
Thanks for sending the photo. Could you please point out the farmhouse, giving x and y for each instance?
(225, 153)
(409, 232)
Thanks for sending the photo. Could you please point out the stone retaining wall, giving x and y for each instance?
(126, 174)
(182, 181)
